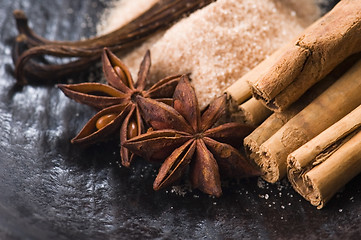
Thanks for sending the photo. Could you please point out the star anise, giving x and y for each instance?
(117, 102)
(183, 135)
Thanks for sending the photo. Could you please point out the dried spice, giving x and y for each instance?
(185, 137)
(118, 102)
(29, 45)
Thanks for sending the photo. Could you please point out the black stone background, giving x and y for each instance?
(50, 189)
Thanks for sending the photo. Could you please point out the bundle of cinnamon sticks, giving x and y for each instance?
(309, 120)
(322, 166)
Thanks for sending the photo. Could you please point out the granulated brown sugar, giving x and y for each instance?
(221, 42)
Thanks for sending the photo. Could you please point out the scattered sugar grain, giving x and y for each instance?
(261, 183)
(181, 190)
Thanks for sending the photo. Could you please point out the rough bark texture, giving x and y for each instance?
(333, 104)
(322, 166)
(305, 61)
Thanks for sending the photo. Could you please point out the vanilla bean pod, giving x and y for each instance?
(86, 52)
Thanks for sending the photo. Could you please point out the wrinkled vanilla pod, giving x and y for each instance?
(29, 46)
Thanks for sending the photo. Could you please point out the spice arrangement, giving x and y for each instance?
(165, 122)
(125, 104)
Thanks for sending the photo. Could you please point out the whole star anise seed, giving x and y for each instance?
(117, 102)
(185, 137)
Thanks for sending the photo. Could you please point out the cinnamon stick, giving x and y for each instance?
(273, 123)
(240, 91)
(262, 133)
(287, 74)
(322, 166)
(253, 112)
(334, 103)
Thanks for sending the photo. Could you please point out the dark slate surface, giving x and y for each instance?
(50, 189)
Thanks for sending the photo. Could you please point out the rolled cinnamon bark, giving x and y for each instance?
(288, 73)
(322, 166)
(253, 112)
(334, 103)
(273, 123)
(240, 91)
(263, 132)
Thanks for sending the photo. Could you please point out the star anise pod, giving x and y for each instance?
(185, 137)
(117, 102)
